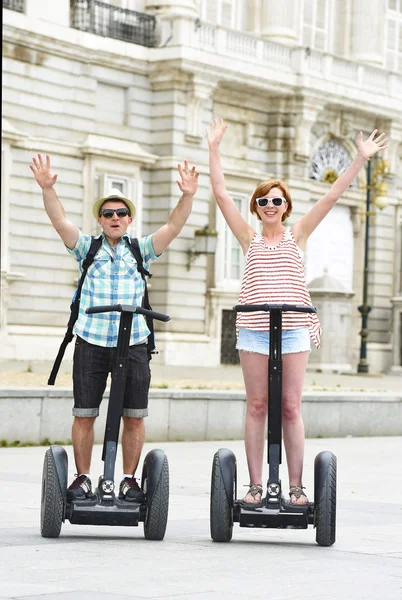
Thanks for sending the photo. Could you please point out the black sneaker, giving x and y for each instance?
(80, 489)
(131, 491)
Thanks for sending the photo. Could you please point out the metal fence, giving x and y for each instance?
(17, 5)
(111, 21)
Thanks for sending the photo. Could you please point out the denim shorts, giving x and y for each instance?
(91, 367)
(293, 340)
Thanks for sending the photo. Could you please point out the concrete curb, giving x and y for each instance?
(31, 415)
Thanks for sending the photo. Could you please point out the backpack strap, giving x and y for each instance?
(96, 243)
(136, 252)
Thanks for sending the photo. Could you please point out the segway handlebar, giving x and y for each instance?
(128, 308)
(269, 307)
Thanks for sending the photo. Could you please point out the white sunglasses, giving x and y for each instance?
(274, 201)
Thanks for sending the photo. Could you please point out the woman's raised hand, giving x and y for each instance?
(41, 170)
(215, 132)
(372, 145)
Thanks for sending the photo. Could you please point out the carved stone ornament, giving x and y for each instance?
(199, 93)
(329, 161)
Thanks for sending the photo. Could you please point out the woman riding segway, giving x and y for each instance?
(274, 273)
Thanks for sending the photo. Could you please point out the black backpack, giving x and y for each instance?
(96, 243)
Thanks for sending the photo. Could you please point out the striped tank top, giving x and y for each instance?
(275, 274)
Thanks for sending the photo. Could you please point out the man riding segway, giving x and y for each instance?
(113, 278)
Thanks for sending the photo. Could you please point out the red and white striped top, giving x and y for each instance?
(275, 274)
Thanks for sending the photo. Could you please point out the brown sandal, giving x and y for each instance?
(297, 492)
(253, 490)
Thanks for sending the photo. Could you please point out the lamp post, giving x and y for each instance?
(376, 189)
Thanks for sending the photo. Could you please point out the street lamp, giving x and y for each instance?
(204, 243)
(377, 190)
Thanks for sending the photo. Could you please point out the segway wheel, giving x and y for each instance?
(52, 503)
(155, 482)
(221, 504)
(325, 498)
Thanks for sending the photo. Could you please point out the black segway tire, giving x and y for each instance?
(52, 501)
(155, 481)
(325, 498)
(221, 502)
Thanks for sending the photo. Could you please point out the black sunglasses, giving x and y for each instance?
(275, 201)
(109, 212)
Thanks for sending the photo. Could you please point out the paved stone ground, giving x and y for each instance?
(21, 374)
(106, 563)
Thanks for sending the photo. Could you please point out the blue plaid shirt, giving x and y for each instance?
(112, 278)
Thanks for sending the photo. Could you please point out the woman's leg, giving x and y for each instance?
(294, 368)
(255, 373)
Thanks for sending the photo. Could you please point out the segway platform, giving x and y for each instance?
(274, 512)
(104, 507)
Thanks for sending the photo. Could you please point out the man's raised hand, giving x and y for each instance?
(41, 170)
(189, 180)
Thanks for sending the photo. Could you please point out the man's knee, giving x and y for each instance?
(133, 423)
(83, 422)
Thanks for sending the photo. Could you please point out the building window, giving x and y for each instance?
(229, 354)
(17, 5)
(227, 13)
(393, 36)
(115, 182)
(111, 104)
(315, 24)
(229, 255)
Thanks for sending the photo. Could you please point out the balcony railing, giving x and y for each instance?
(17, 5)
(279, 63)
(110, 21)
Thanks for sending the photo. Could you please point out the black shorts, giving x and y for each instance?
(91, 367)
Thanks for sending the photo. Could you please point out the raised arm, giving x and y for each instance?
(239, 226)
(188, 185)
(55, 211)
(306, 225)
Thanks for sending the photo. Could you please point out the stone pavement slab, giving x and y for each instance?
(114, 562)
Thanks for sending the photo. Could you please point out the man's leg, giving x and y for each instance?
(90, 371)
(135, 409)
(83, 441)
(132, 442)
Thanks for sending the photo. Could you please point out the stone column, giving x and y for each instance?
(397, 340)
(367, 39)
(184, 8)
(279, 21)
(10, 137)
(177, 21)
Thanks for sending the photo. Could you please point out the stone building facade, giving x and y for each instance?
(119, 92)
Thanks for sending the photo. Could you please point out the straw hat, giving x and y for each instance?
(115, 194)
